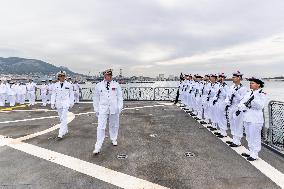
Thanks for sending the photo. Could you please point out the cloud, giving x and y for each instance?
(257, 53)
(146, 36)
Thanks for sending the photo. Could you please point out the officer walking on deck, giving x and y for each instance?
(252, 106)
(108, 103)
(62, 98)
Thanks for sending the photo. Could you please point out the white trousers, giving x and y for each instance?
(199, 107)
(182, 97)
(214, 114)
(31, 98)
(17, 98)
(44, 99)
(253, 137)
(221, 118)
(2, 99)
(62, 112)
(12, 100)
(186, 99)
(236, 125)
(189, 101)
(194, 103)
(48, 98)
(113, 128)
(76, 96)
(21, 98)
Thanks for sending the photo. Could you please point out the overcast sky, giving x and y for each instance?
(146, 37)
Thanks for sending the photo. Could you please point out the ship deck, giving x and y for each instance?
(159, 146)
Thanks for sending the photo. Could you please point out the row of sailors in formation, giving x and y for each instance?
(17, 92)
(211, 100)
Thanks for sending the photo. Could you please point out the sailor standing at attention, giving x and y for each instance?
(108, 103)
(235, 95)
(12, 93)
(220, 105)
(31, 92)
(49, 90)
(22, 93)
(211, 93)
(3, 92)
(43, 92)
(77, 89)
(252, 105)
(17, 89)
(62, 98)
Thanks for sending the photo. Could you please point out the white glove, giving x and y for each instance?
(52, 106)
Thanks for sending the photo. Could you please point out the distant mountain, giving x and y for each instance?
(16, 65)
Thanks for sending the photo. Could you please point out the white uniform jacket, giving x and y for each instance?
(12, 90)
(108, 101)
(253, 114)
(22, 89)
(43, 88)
(62, 97)
(31, 87)
(3, 88)
(76, 87)
(236, 94)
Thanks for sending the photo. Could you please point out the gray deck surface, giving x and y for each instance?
(159, 159)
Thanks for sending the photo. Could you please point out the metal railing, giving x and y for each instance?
(275, 131)
(133, 93)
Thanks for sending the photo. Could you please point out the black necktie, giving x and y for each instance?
(107, 85)
(61, 84)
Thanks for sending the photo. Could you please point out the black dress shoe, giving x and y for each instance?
(216, 133)
(229, 142)
(209, 127)
(203, 122)
(213, 129)
(196, 118)
(250, 159)
(234, 145)
(245, 155)
(221, 136)
(59, 138)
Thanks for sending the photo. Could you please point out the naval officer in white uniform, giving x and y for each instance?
(3, 92)
(252, 105)
(31, 87)
(62, 98)
(108, 103)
